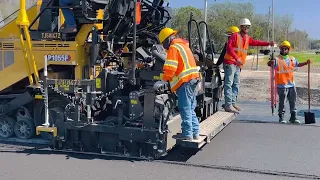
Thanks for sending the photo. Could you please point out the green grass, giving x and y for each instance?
(303, 56)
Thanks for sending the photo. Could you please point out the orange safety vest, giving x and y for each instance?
(284, 73)
(181, 60)
(240, 49)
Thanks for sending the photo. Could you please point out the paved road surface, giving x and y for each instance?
(16, 166)
(244, 150)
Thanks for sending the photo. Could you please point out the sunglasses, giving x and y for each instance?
(284, 48)
(247, 27)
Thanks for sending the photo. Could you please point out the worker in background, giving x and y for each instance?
(229, 32)
(234, 59)
(70, 25)
(181, 71)
(284, 66)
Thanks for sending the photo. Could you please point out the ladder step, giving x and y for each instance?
(208, 100)
(209, 128)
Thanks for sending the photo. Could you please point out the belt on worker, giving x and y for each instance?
(195, 81)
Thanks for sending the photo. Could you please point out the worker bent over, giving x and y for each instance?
(284, 66)
(70, 23)
(181, 71)
(234, 59)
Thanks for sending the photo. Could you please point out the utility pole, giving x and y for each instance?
(295, 38)
(205, 9)
(269, 14)
(272, 22)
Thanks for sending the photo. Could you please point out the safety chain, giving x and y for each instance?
(120, 87)
(71, 105)
(60, 92)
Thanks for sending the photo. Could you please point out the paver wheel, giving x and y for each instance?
(6, 126)
(24, 128)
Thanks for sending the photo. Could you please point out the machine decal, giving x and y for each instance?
(51, 36)
(98, 83)
(67, 82)
(58, 57)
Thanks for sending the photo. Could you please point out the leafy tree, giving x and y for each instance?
(222, 15)
(181, 17)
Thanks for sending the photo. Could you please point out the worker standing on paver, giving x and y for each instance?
(181, 71)
(230, 31)
(284, 66)
(234, 59)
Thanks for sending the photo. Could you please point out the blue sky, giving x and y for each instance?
(306, 13)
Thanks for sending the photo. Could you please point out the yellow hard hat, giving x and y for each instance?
(233, 29)
(165, 33)
(286, 43)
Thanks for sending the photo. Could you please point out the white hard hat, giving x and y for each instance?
(245, 22)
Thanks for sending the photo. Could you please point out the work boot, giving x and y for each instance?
(70, 30)
(181, 137)
(196, 137)
(65, 29)
(236, 107)
(281, 119)
(294, 119)
(229, 109)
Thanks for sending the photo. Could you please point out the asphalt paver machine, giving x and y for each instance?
(97, 90)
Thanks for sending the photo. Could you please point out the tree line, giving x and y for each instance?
(220, 16)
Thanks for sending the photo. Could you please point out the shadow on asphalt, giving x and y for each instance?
(277, 123)
(315, 111)
(180, 154)
(177, 154)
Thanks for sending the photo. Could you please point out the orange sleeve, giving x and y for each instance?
(171, 64)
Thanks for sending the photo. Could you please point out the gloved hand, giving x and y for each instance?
(159, 85)
(271, 63)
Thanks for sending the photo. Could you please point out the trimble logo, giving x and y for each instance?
(58, 57)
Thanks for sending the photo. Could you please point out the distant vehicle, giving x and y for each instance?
(265, 51)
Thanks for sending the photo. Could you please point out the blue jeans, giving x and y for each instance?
(186, 104)
(67, 13)
(231, 84)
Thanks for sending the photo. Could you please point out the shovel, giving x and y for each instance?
(309, 117)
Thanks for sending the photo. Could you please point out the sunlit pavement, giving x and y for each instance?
(254, 146)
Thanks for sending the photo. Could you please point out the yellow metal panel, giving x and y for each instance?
(9, 37)
(36, 24)
(11, 30)
(82, 50)
(61, 17)
(83, 34)
(41, 48)
(100, 16)
(53, 130)
(38, 96)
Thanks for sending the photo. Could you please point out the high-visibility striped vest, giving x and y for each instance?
(284, 73)
(240, 49)
(181, 60)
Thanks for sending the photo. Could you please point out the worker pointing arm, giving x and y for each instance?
(235, 58)
(181, 71)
